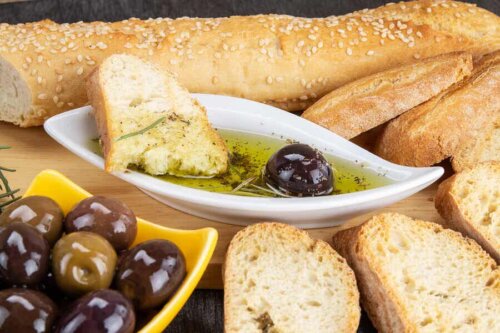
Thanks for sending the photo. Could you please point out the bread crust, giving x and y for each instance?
(440, 127)
(277, 59)
(373, 100)
(448, 207)
(292, 235)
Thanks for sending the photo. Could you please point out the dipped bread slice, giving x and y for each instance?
(414, 276)
(469, 201)
(373, 100)
(145, 118)
(278, 279)
(442, 126)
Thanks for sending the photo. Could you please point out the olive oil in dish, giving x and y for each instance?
(249, 154)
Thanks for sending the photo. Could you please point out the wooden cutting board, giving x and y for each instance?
(33, 150)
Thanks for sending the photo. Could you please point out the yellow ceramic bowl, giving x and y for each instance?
(197, 245)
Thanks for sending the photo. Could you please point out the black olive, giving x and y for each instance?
(150, 273)
(24, 254)
(299, 170)
(101, 311)
(26, 311)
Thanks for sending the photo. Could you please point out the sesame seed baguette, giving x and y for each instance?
(442, 126)
(282, 60)
(373, 100)
(469, 201)
(415, 276)
(278, 279)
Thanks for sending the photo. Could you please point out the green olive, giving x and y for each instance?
(42, 213)
(83, 262)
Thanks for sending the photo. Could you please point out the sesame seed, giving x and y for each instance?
(279, 79)
(28, 60)
(320, 44)
(42, 96)
(419, 34)
(370, 52)
(215, 80)
(312, 37)
(263, 51)
(79, 58)
(39, 59)
(59, 78)
(349, 51)
(303, 97)
(60, 104)
(79, 71)
(416, 56)
(411, 44)
(128, 46)
(71, 104)
(173, 62)
(101, 45)
(341, 44)
(269, 80)
(39, 80)
(428, 10)
(55, 99)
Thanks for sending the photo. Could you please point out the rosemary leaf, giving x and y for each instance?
(5, 147)
(142, 131)
(243, 184)
(7, 169)
(6, 203)
(8, 194)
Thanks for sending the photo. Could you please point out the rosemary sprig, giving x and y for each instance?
(9, 193)
(142, 131)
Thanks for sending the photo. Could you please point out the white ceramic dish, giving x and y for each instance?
(75, 129)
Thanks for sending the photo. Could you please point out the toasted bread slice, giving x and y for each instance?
(278, 279)
(469, 201)
(440, 127)
(373, 100)
(485, 148)
(415, 276)
(145, 118)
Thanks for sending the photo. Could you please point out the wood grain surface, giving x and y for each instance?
(34, 151)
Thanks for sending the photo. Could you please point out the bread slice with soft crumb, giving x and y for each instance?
(145, 118)
(278, 279)
(469, 201)
(485, 148)
(415, 276)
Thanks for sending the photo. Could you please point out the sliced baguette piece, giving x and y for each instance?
(415, 276)
(440, 127)
(278, 279)
(469, 201)
(485, 148)
(373, 100)
(145, 118)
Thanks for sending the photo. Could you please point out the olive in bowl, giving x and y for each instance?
(83, 262)
(107, 217)
(42, 213)
(150, 273)
(299, 170)
(101, 311)
(24, 310)
(24, 254)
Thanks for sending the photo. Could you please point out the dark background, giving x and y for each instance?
(204, 310)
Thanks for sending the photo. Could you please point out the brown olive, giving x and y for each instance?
(26, 311)
(299, 170)
(101, 311)
(151, 272)
(24, 254)
(107, 217)
(43, 213)
(82, 262)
